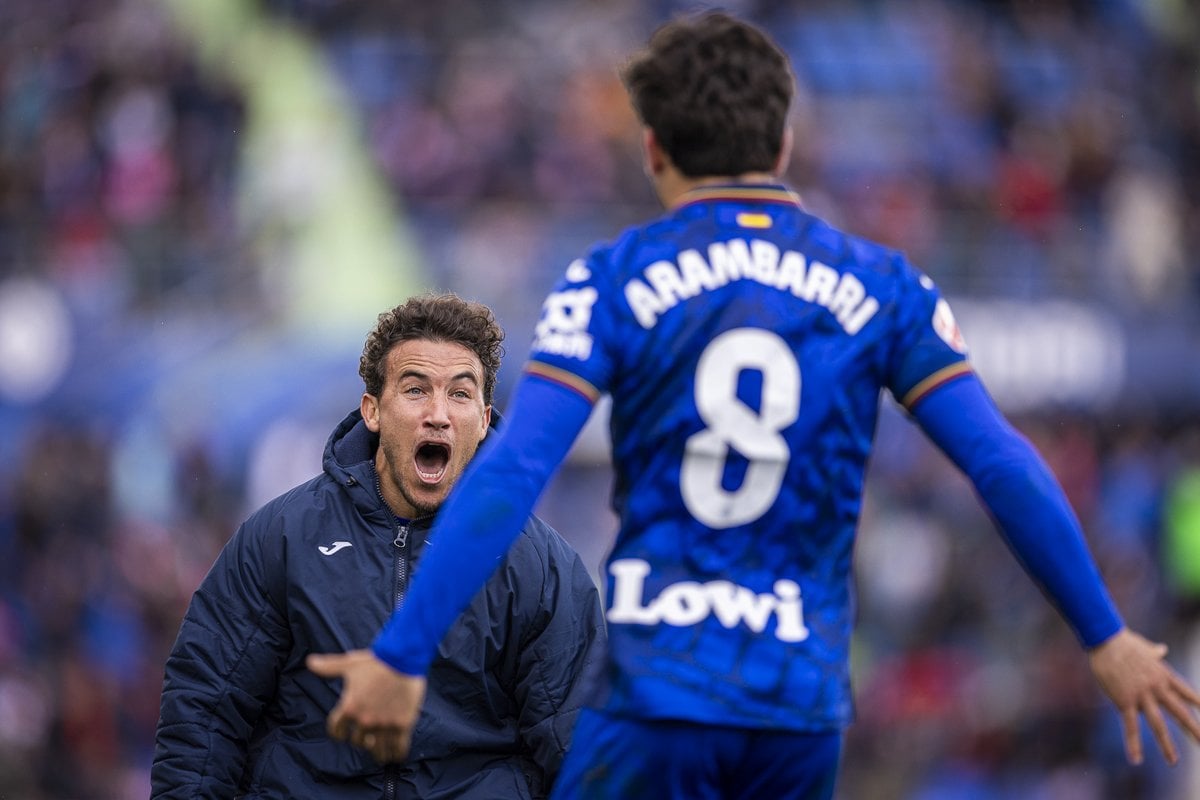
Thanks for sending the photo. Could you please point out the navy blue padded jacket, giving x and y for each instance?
(318, 570)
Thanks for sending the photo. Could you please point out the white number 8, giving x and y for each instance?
(733, 424)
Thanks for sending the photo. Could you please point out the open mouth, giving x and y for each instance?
(431, 461)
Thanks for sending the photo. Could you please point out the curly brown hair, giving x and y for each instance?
(439, 318)
(716, 91)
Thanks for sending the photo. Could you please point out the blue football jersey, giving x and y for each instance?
(745, 344)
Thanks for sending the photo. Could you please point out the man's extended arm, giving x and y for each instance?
(1039, 525)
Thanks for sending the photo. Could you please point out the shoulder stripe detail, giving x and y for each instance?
(935, 380)
(563, 378)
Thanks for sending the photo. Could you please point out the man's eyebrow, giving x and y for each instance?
(424, 376)
(412, 373)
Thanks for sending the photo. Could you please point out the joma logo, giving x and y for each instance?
(688, 602)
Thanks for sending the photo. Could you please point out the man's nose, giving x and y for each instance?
(439, 412)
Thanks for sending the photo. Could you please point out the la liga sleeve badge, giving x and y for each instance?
(946, 327)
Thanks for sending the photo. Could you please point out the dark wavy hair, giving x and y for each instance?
(716, 91)
(438, 318)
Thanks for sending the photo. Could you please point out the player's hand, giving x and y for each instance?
(379, 706)
(1133, 674)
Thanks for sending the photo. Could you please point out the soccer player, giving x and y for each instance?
(745, 345)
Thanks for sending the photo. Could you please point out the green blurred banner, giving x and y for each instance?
(323, 226)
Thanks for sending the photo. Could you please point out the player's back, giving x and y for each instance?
(745, 344)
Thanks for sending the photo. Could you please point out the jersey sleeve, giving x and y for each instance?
(1026, 501)
(572, 343)
(929, 350)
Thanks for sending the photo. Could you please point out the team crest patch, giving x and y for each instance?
(946, 327)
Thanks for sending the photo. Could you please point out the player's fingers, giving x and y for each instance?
(401, 745)
(389, 746)
(339, 724)
(378, 745)
(1179, 708)
(387, 750)
(1132, 735)
(326, 665)
(1184, 689)
(1158, 725)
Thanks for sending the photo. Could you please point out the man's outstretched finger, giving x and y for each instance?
(1158, 725)
(1178, 708)
(395, 747)
(386, 750)
(1188, 702)
(339, 724)
(328, 665)
(1184, 689)
(1132, 736)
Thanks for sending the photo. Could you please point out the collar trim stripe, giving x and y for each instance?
(761, 194)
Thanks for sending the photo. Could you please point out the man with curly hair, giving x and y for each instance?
(324, 565)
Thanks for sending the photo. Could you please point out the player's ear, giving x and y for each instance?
(369, 408)
(654, 159)
(785, 151)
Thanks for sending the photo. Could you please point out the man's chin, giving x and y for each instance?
(426, 502)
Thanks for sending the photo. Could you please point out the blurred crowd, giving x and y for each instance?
(1014, 149)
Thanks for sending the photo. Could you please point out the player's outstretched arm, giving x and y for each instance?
(1039, 525)
(1134, 674)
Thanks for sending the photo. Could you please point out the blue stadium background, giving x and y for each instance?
(204, 205)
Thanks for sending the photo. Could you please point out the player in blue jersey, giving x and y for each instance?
(745, 345)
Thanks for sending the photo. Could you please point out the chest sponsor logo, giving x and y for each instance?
(689, 602)
(328, 550)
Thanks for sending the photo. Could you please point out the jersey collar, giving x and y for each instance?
(740, 192)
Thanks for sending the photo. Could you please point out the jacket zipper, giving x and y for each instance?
(401, 545)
